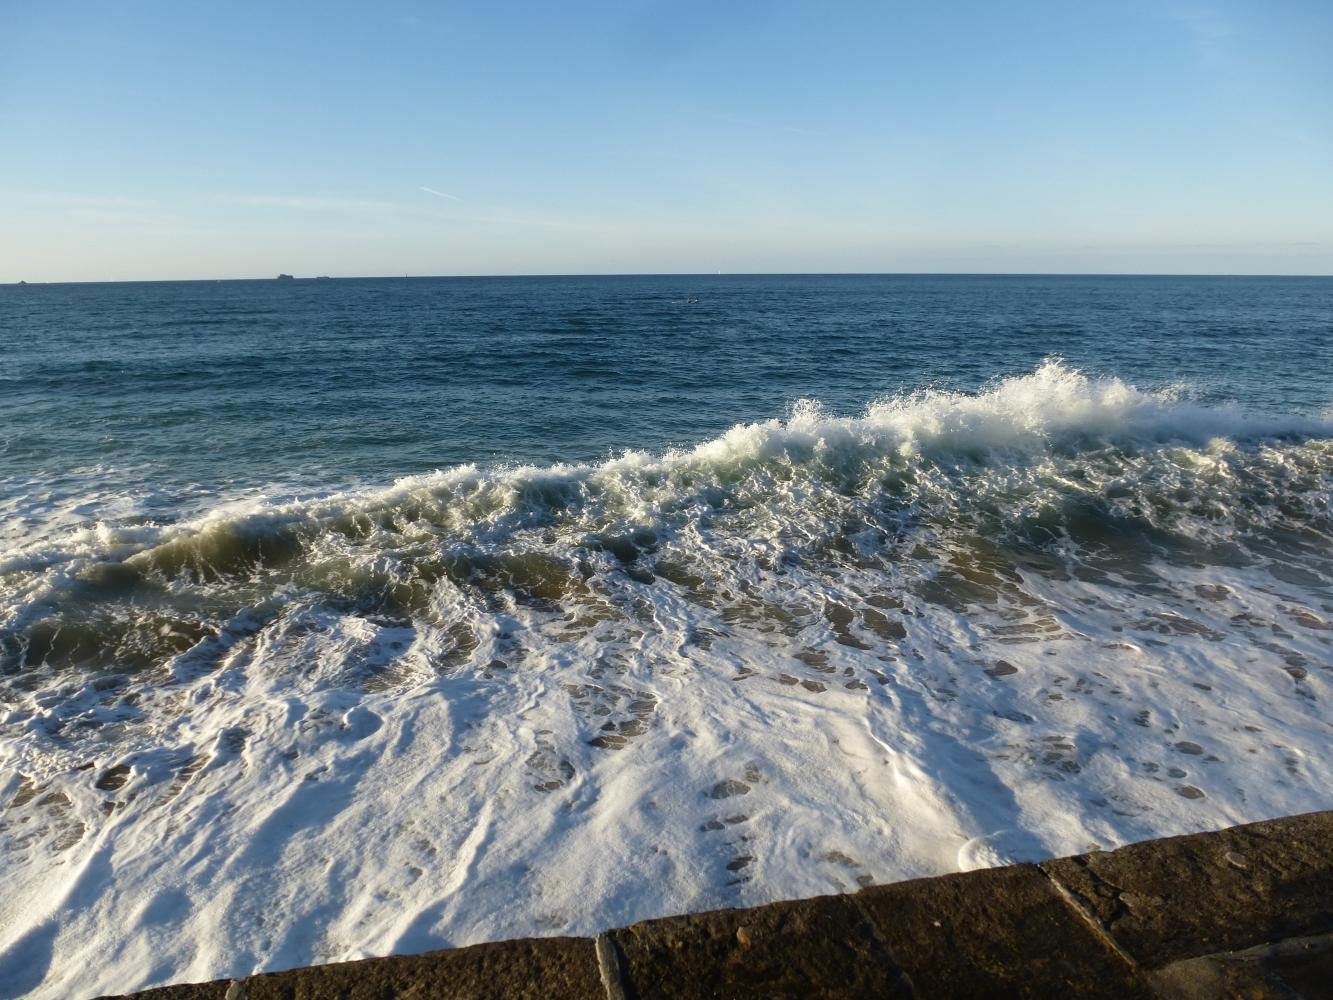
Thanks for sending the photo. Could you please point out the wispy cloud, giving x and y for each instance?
(440, 194)
(307, 203)
(68, 200)
(96, 209)
(109, 216)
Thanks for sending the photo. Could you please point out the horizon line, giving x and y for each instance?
(676, 274)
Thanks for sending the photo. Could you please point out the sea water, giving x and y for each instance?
(348, 617)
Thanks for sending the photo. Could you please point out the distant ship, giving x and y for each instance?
(285, 277)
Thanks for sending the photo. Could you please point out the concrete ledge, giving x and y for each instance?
(998, 932)
(535, 968)
(1244, 912)
(823, 945)
(1182, 897)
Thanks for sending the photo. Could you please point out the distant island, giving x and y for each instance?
(285, 277)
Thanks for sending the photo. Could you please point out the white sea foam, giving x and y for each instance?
(954, 631)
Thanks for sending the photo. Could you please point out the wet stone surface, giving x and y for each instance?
(1241, 913)
(535, 969)
(1301, 969)
(1003, 932)
(184, 991)
(820, 947)
(1182, 897)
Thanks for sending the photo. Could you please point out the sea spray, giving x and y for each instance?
(808, 654)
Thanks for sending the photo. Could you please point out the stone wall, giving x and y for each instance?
(1245, 912)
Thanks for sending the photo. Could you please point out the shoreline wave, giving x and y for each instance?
(803, 656)
(1016, 420)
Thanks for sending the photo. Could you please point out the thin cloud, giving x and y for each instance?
(440, 194)
(90, 201)
(307, 203)
(109, 216)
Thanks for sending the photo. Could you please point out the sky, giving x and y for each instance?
(145, 139)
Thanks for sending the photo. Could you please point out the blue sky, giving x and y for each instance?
(145, 139)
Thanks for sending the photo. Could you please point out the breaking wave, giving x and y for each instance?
(810, 653)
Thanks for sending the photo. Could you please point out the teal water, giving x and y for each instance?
(342, 618)
(189, 385)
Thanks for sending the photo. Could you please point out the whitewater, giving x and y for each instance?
(816, 652)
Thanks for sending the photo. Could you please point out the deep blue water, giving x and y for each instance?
(238, 384)
(975, 627)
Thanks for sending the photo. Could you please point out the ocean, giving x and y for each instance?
(342, 618)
